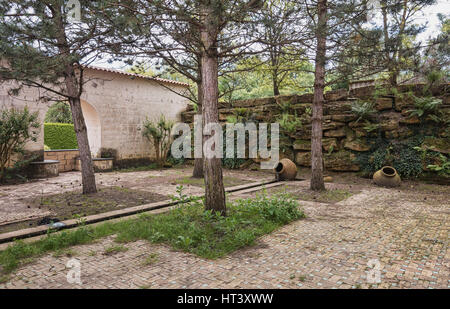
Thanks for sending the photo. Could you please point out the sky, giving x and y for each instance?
(428, 15)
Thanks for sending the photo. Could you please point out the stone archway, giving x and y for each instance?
(94, 128)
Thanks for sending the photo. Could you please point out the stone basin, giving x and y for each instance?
(44, 169)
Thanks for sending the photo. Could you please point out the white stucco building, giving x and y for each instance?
(114, 104)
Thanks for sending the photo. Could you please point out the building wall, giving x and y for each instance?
(114, 106)
(123, 104)
(27, 98)
(66, 158)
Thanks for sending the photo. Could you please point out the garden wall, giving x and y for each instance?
(346, 141)
(65, 157)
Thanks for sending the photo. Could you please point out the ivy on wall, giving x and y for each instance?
(60, 136)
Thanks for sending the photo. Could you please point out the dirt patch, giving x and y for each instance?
(64, 206)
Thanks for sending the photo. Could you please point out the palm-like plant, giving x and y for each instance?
(158, 132)
(427, 106)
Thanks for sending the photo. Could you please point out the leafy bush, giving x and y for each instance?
(426, 106)
(60, 136)
(363, 110)
(59, 113)
(16, 128)
(402, 155)
(289, 123)
(158, 132)
(443, 169)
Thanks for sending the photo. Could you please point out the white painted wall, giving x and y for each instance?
(114, 107)
(94, 127)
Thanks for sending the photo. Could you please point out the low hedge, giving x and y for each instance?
(60, 136)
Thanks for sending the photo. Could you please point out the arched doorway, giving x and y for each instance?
(94, 128)
(59, 132)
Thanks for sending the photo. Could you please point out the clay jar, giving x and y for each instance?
(285, 170)
(387, 177)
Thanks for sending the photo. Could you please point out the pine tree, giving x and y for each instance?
(210, 30)
(331, 26)
(42, 47)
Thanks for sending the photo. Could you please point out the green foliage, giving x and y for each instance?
(402, 155)
(60, 136)
(371, 127)
(363, 110)
(235, 162)
(240, 115)
(435, 161)
(16, 128)
(59, 113)
(189, 228)
(443, 169)
(289, 123)
(253, 79)
(158, 132)
(426, 107)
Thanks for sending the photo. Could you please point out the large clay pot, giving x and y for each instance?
(387, 177)
(285, 169)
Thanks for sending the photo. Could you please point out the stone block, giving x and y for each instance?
(441, 145)
(343, 117)
(382, 104)
(302, 145)
(389, 125)
(357, 145)
(303, 158)
(340, 94)
(341, 161)
(336, 133)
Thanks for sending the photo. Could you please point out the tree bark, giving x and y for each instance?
(74, 90)
(317, 182)
(198, 162)
(212, 167)
(276, 89)
(87, 169)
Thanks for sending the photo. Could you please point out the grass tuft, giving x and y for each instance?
(187, 228)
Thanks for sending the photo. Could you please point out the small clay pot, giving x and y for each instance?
(387, 177)
(285, 169)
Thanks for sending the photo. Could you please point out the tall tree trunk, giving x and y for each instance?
(198, 162)
(212, 167)
(389, 47)
(74, 87)
(274, 63)
(276, 89)
(87, 169)
(317, 108)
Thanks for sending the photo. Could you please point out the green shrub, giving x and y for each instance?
(402, 155)
(363, 110)
(427, 106)
(60, 136)
(16, 128)
(158, 132)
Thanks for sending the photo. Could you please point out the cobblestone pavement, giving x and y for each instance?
(13, 205)
(402, 233)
